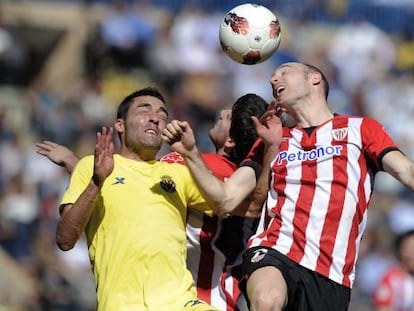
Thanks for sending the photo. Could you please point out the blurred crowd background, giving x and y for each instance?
(65, 65)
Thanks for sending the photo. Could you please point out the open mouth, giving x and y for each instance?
(280, 90)
(152, 132)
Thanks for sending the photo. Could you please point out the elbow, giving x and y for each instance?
(64, 243)
(64, 247)
(223, 208)
(220, 212)
(66, 234)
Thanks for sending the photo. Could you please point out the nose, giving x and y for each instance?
(154, 117)
(274, 79)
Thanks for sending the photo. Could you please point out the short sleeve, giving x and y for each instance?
(255, 157)
(377, 142)
(79, 180)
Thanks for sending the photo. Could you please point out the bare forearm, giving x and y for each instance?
(409, 181)
(74, 218)
(399, 166)
(223, 197)
(212, 188)
(261, 190)
(70, 162)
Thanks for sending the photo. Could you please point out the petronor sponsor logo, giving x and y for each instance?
(302, 155)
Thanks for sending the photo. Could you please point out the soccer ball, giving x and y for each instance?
(249, 33)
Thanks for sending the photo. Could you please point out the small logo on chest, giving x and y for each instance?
(339, 134)
(167, 184)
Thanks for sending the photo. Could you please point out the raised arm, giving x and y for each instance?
(58, 154)
(74, 217)
(223, 197)
(259, 195)
(398, 165)
(269, 128)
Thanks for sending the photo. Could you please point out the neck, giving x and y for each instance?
(142, 156)
(221, 151)
(312, 114)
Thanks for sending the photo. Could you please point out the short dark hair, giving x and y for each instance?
(313, 68)
(128, 100)
(399, 239)
(242, 129)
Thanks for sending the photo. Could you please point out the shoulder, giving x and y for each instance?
(392, 274)
(357, 120)
(88, 158)
(219, 165)
(172, 157)
(85, 162)
(369, 129)
(216, 160)
(172, 167)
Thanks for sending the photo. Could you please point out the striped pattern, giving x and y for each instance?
(216, 281)
(395, 291)
(320, 190)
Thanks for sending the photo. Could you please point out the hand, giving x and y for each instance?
(104, 156)
(180, 137)
(269, 127)
(56, 153)
(287, 119)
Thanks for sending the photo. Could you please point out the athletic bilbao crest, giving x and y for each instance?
(340, 134)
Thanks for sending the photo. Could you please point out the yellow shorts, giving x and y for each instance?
(198, 305)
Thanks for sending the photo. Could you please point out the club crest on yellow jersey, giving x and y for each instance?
(167, 184)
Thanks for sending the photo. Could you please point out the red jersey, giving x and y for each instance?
(320, 190)
(215, 269)
(395, 291)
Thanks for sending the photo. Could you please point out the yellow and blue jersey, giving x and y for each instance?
(136, 233)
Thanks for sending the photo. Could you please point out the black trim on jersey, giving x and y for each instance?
(372, 170)
(383, 153)
(309, 130)
(257, 167)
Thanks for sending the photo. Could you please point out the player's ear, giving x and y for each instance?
(315, 78)
(229, 143)
(119, 125)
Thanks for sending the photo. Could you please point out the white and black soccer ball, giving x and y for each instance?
(249, 33)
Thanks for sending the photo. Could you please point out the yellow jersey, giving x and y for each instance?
(136, 234)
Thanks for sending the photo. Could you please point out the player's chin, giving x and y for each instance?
(153, 142)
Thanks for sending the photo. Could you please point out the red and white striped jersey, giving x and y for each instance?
(395, 291)
(216, 277)
(320, 190)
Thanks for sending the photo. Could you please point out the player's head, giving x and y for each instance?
(129, 99)
(324, 80)
(219, 133)
(242, 130)
(404, 245)
(141, 117)
(293, 81)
